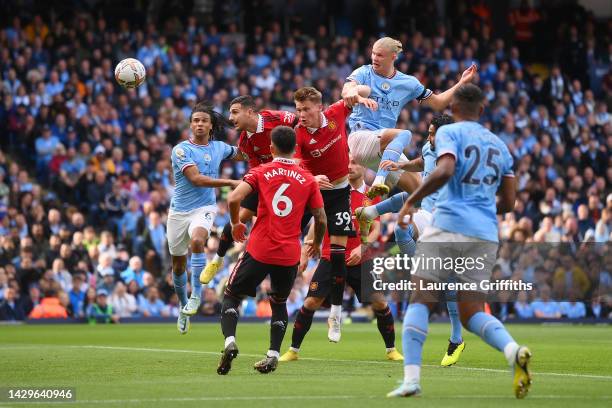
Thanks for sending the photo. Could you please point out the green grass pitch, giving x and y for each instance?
(151, 365)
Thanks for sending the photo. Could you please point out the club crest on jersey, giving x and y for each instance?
(385, 86)
(207, 157)
(332, 125)
(314, 286)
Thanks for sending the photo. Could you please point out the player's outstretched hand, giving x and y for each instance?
(368, 103)
(405, 215)
(469, 74)
(235, 183)
(239, 232)
(389, 165)
(355, 257)
(324, 183)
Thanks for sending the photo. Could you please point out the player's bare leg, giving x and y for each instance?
(225, 243)
(198, 261)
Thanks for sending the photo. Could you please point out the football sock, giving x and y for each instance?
(226, 241)
(198, 262)
(278, 324)
(338, 273)
(453, 314)
(404, 239)
(493, 332)
(180, 287)
(302, 324)
(414, 333)
(386, 326)
(391, 205)
(229, 315)
(392, 152)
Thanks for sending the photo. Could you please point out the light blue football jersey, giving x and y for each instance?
(207, 158)
(467, 205)
(390, 93)
(429, 160)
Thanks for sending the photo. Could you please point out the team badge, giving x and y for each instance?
(314, 286)
(385, 86)
(207, 157)
(331, 124)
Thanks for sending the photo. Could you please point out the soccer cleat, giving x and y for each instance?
(290, 355)
(192, 306)
(333, 332)
(364, 224)
(412, 389)
(210, 271)
(453, 352)
(182, 323)
(377, 190)
(522, 376)
(227, 355)
(267, 365)
(394, 355)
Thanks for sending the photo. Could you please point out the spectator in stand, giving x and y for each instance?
(123, 303)
(49, 307)
(101, 311)
(544, 307)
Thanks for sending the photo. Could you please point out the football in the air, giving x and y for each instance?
(130, 73)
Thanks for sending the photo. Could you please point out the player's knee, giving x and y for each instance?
(179, 264)
(467, 310)
(313, 303)
(378, 305)
(198, 243)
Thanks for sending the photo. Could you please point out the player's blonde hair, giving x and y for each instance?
(391, 44)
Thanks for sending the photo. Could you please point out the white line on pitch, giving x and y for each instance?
(216, 353)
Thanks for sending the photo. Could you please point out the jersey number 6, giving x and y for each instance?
(280, 198)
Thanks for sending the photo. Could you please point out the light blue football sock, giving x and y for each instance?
(414, 333)
(394, 150)
(453, 314)
(405, 239)
(392, 204)
(180, 287)
(491, 330)
(198, 262)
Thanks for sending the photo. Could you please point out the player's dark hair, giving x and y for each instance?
(468, 99)
(308, 93)
(218, 121)
(441, 120)
(283, 138)
(246, 101)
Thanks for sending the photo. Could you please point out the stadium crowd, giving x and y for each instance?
(85, 176)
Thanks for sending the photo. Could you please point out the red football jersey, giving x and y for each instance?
(358, 199)
(285, 189)
(325, 151)
(257, 145)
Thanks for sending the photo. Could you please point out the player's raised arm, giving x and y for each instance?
(414, 165)
(199, 180)
(441, 101)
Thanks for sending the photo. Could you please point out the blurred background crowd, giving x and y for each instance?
(85, 174)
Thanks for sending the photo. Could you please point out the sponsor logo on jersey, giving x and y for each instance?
(319, 152)
(255, 148)
(312, 141)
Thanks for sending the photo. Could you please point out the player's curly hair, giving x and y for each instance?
(218, 121)
(441, 120)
